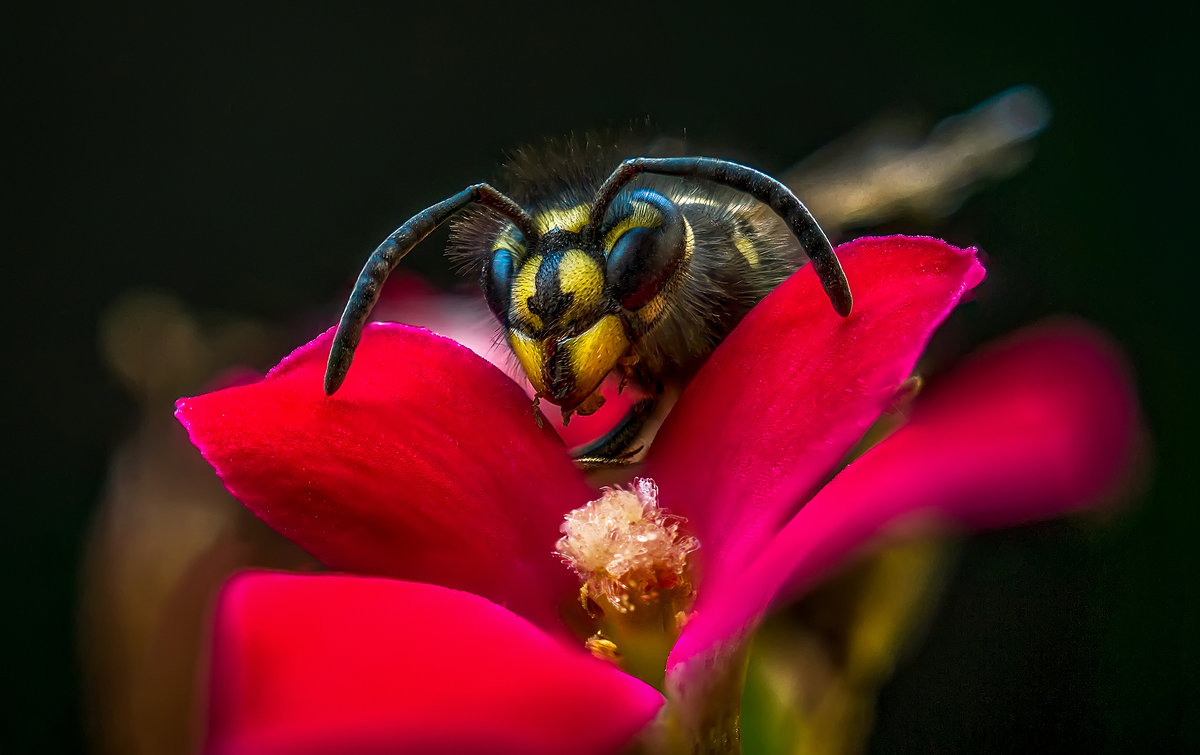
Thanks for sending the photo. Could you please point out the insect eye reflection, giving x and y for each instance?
(589, 276)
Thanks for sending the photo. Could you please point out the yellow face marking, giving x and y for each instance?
(508, 239)
(532, 355)
(568, 219)
(524, 286)
(644, 216)
(594, 353)
(578, 274)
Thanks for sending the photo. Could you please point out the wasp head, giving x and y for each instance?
(575, 300)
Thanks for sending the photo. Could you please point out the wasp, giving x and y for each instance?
(641, 269)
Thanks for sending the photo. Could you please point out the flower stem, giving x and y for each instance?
(704, 702)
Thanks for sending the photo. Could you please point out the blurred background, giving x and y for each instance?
(192, 190)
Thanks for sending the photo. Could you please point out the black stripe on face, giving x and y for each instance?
(549, 301)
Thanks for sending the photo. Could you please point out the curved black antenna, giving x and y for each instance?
(758, 185)
(388, 254)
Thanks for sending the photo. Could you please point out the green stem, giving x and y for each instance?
(704, 705)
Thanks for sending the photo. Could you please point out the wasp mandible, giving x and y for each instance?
(642, 272)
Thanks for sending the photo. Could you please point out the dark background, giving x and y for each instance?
(247, 160)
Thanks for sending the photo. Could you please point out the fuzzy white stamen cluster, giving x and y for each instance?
(624, 547)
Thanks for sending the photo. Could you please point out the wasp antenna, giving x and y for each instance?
(759, 185)
(388, 254)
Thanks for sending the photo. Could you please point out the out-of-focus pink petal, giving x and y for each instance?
(340, 664)
(427, 465)
(787, 394)
(1039, 427)
(408, 299)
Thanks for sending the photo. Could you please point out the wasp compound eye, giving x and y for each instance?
(639, 264)
(497, 282)
(645, 248)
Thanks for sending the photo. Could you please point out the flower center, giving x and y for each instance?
(632, 560)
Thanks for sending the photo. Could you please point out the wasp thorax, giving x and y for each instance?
(629, 553)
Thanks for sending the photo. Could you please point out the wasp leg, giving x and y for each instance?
(626, 363)
(537, 415)
(613, 448)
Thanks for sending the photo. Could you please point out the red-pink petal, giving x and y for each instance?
(340, 664)
(1036, 428)
(427, 465)
(788, 393)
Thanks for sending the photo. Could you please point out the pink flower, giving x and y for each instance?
(428, 469)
